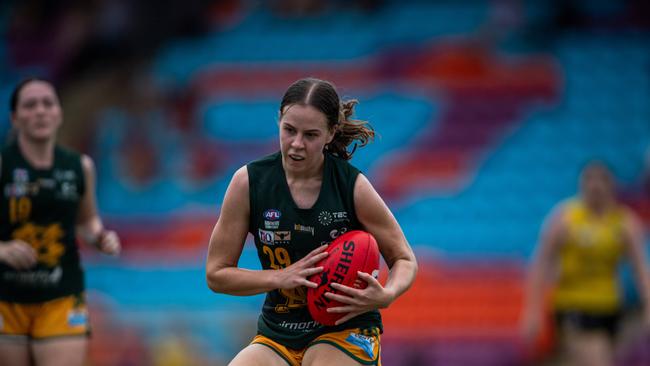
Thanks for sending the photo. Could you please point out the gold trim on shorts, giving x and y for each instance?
(362, 345)
(62, 317)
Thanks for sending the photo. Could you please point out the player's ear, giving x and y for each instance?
(331, 132)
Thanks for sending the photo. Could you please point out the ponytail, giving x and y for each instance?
(348, 130)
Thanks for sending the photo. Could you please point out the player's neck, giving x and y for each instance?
(40, 154)
(599, 207)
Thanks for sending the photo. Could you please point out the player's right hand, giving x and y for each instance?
(18, 254)
(296, 274)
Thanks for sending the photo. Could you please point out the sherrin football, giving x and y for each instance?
(351, 252)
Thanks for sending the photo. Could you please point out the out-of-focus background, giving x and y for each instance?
(486, 112)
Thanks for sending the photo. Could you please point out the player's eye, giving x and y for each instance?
(29, 104)
(48, 103)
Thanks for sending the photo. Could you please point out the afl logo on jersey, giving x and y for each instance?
(21, 176)
(271, 219)
(272, 215)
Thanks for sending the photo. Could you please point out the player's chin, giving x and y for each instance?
(42, 135)
(296, 164)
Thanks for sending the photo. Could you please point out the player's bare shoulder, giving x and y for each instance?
(632, 221)
(241, 176)
(555, 226)
(237, 198)
(239, 184)
(87, 163)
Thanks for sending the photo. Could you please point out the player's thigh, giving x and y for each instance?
(257, 355)
(323, 354)
(14, 351)
(64, 351)
(354, 346)
(590, 348)
(15, 320)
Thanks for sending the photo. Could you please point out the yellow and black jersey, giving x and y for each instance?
(589, 260)
(40, 207)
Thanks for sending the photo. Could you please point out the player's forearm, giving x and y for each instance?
(643, 280)
(637, 252)
(534, 291)
(241, 282)
(401, 277)
(90, 230)
(3, 252)
(645, 291)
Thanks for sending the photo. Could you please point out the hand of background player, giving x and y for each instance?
(109, 243)
(18, 255)
(296, 274)
(359, 301)
(530, 325)
(646, 318)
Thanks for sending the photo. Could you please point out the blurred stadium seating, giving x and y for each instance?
(478, 140)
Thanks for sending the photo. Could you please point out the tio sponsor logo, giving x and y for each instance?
(266, 237)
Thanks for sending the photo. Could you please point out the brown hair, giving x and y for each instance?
(15, 94)
(15, 98)
(322, 95)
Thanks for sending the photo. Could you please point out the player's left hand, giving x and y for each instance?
(359, 301)
(109, 243)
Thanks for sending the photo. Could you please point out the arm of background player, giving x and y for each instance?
(16, 253)
(636, 249)
(536, 280)
(89, 225)
(226, 244)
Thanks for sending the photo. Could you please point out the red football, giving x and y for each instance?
(351, 252)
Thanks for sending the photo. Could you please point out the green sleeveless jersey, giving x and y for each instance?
(285, 233)
(39, 207)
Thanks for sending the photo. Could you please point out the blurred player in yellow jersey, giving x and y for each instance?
(582, 244)
(47, 202)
